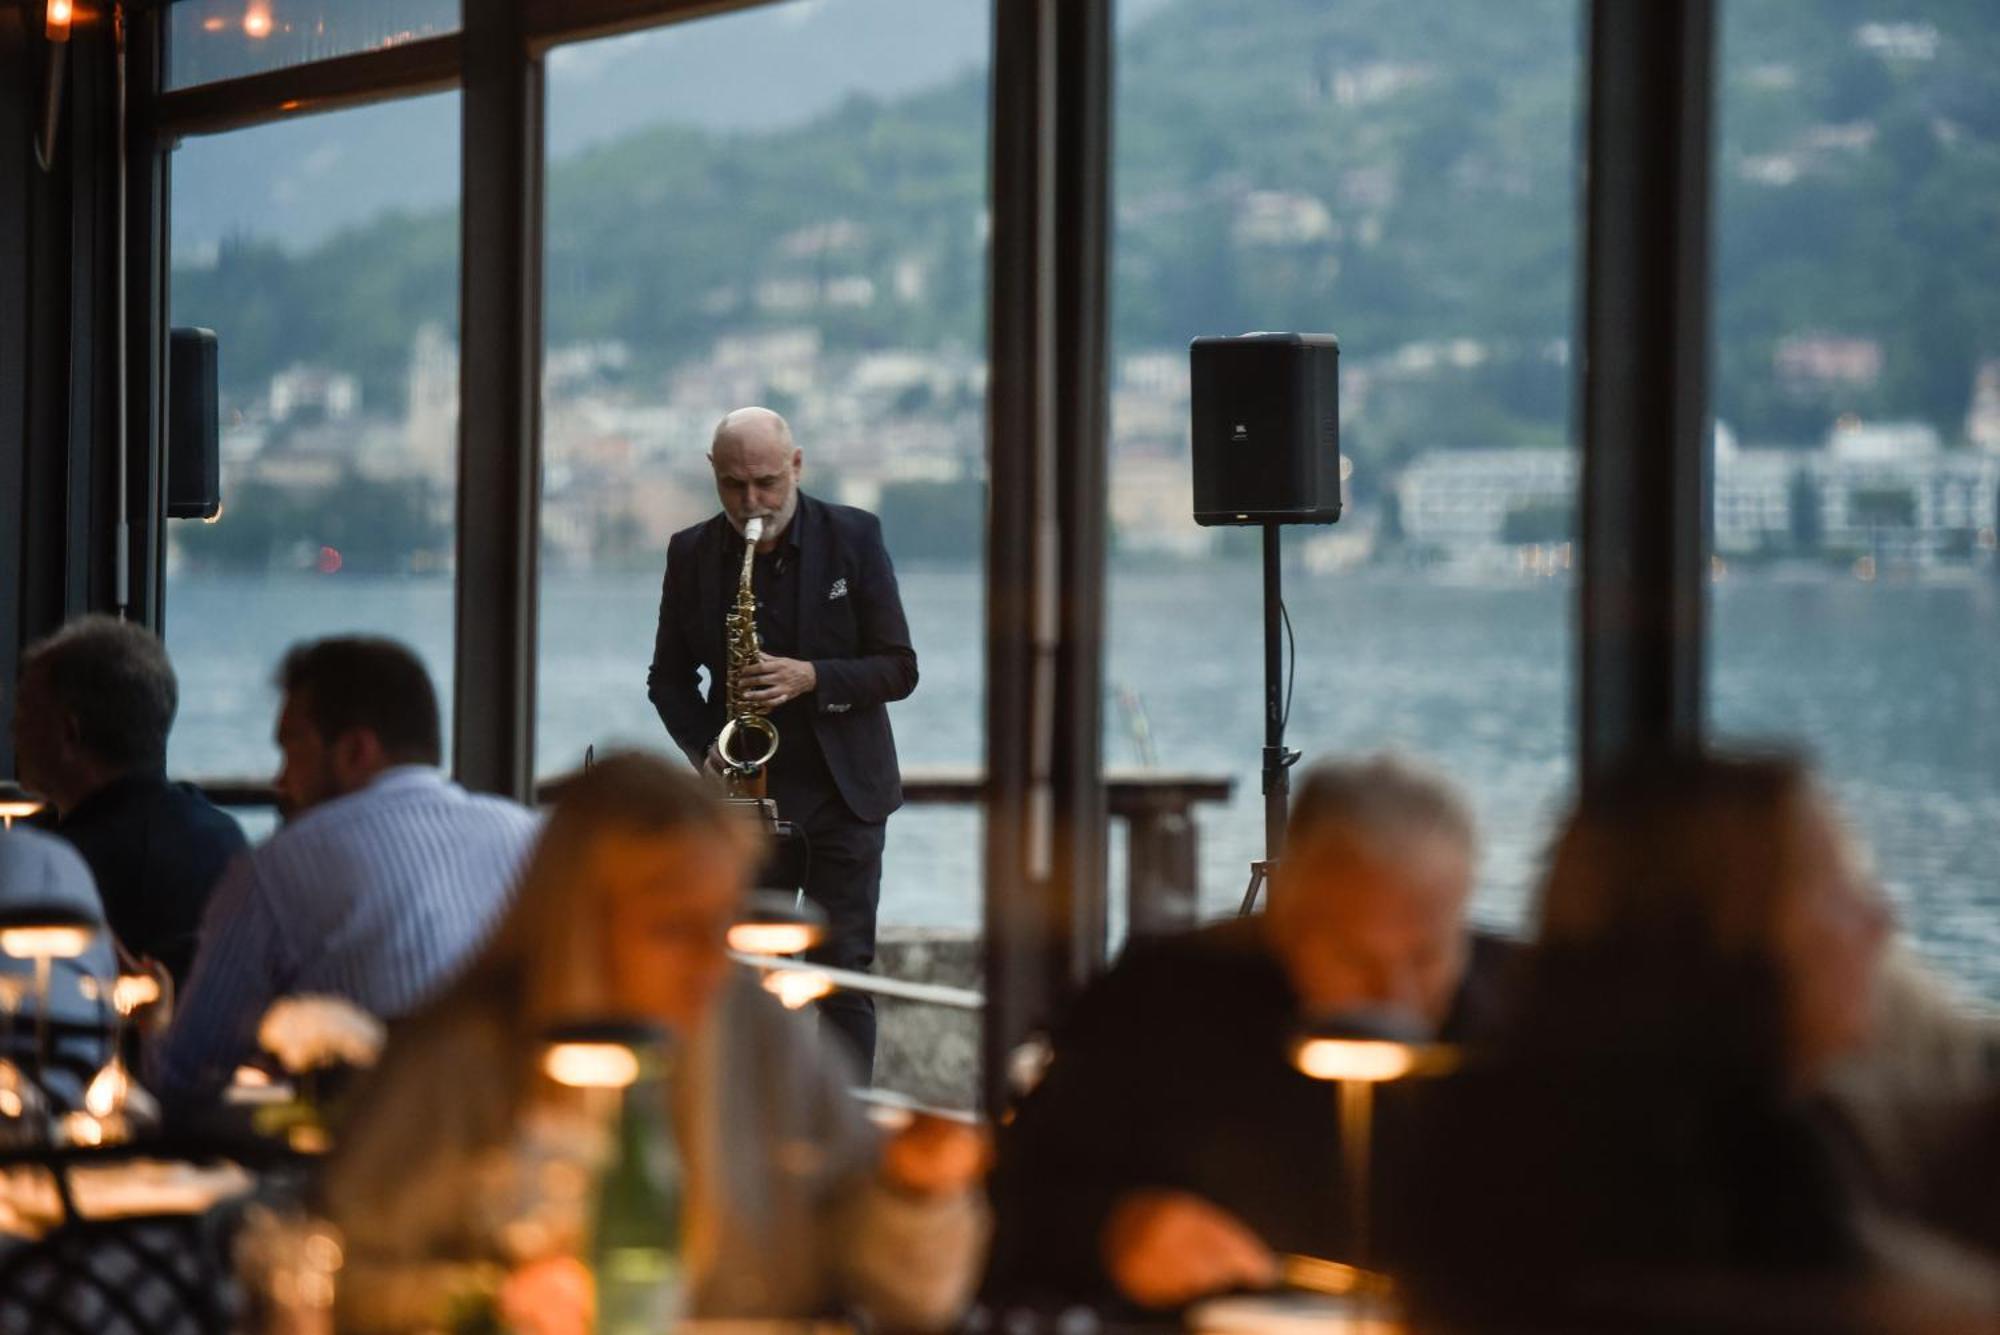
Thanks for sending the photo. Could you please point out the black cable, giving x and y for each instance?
(1291, 664)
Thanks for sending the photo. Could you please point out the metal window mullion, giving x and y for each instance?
(1080, 229)
(427, 66)
(1044, 833)
(19, 332)
(146, 307)
(1013, 414)
(499, 463)
(1643, 387)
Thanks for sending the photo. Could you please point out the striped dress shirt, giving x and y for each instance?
(380, 897)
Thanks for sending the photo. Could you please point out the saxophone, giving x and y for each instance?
(748, 723)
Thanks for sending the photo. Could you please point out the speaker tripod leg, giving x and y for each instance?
(1259, 873)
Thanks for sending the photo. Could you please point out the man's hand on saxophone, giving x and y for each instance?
(772, 681)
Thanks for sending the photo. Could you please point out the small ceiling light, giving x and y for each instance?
(57, 20)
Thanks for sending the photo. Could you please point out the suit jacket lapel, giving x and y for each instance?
(815, 560)
(708, 577)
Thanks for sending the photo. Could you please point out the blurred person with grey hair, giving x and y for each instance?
(92, 710)
(1171, 1150)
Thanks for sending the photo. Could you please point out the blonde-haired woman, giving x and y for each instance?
(794, 1207)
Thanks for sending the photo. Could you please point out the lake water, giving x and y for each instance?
(1893, 686)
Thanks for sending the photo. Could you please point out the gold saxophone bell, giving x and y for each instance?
(737, 727)
(744, 774)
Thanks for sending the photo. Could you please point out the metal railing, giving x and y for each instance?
(1162, 870)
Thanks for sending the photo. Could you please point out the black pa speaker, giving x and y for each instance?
(194, 455)
(1266, 413)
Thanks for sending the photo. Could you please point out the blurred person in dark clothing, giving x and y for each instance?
(1171, 1150)
(1709, 949)
(92, 710)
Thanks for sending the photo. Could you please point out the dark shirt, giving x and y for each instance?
(1634, 1118)
(1174, 1072)
(156, 850)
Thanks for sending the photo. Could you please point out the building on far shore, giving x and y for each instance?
(1478, 507)
(1889, 491)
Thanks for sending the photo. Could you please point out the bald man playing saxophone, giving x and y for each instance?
(836, 652)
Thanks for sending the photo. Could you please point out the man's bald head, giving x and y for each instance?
(757, 470)
(753, 427)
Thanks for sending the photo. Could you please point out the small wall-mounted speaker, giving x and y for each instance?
(1266, 411)
(194, 444)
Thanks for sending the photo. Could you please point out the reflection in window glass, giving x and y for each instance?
(1857, 463)
(339, 408)
(209, 40)
(1401, 175)
(783, 207)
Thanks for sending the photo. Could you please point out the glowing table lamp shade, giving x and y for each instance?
(17, 803)
(133, 990)
(591, 1065)
(797, 988)
(45, 935)
(1351, 1053)
(777, 924)
(599, 1054)
(47, 941)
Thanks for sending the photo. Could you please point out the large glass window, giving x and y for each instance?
(1400, 175)
(1857, 455)
(324, 256)
(784, 207)
(209, 40)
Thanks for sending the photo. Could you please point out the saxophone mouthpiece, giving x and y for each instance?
(753, 530)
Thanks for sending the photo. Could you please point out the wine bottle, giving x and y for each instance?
(636, 1224)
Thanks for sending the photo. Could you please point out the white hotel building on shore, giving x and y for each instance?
(1887, 490)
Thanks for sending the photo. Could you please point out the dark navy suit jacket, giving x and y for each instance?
(850, 627)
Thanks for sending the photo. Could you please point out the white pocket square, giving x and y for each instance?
(839, 590)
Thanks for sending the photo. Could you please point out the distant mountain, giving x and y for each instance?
(302, 180)
(1402, 174)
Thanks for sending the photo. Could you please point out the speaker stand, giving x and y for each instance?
(1278, 759)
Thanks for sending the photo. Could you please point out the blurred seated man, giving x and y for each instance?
(454, 1159)
(39, 871)
(1171, 1150)
(1708, 953)
(91, 715)
(384, 880)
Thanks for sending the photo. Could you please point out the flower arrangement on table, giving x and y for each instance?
(314, 1039)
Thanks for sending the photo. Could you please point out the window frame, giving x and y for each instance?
(1641, 317)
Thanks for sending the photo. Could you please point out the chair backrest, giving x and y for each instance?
(150, 1275)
